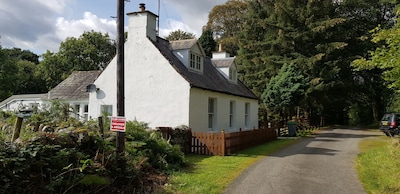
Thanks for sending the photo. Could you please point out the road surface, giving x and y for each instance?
(321, 164)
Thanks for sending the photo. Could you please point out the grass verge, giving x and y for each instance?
(378, 165)
(212, 174)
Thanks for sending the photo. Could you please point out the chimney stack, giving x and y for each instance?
(142, 7)
(142, 24)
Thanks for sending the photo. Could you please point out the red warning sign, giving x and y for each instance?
(118, 124)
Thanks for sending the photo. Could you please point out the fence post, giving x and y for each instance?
(223, 142)
(17, 129)
(101, 126)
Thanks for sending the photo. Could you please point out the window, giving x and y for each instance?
(106, 110)
(86, 112)
(195, 62)
(232, 74)
(198, 62)
(211, 113)
(33, 105)
(76, 111)
(231, 114)
(247, 114)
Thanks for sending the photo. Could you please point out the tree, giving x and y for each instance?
(8, 70)
(320, 37)
(179, 35)
(226, 22)
(24, 55)
(26, 81)
(52, 70)
(385, 57)
(91, 51)
(285, 90)
(207, 42)
(371, 93)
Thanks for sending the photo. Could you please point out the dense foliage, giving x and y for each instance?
(17, 73)
(226, 22)
(77, 158)
(321, 38)
(180, 35)
(21, 72)
(285, 91)
(91, 51)
(207, 42)
(386, 57)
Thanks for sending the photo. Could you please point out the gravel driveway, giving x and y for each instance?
(321, 164)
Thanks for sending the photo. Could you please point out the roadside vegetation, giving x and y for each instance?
(378, 165)
(67, 156)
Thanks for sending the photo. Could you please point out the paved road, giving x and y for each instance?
(322, 164)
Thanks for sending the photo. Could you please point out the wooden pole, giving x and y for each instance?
(101, 126)
(17, 129)
(120, 73)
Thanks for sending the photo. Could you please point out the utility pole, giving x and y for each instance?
(120, 72)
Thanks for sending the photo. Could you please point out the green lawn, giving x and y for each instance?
(378, 165)
(212, 174)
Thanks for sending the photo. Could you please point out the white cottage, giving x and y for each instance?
(20, 102)
(173, 83)
(72, 91)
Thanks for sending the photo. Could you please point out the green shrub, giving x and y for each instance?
(159, 153)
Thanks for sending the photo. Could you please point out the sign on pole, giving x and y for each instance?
(118, 124)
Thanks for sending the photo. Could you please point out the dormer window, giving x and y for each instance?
(232, 74)
(196, 62)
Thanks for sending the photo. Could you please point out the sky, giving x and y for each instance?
(40, 25)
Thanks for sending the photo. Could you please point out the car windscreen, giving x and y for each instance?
(386, 117)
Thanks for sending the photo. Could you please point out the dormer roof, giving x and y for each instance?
(227, 62)
(182, 44)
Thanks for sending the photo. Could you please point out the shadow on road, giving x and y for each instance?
(326, 137)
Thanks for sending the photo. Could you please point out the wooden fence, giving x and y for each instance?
(225, 143)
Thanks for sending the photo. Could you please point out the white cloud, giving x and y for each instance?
(40, 25)
(57, 6)
(194, 13)
(74, 28)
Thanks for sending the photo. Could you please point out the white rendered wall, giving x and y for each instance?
(106, 93)
(199, 111)
(154, 92)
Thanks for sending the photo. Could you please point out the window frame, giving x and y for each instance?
(212, 109)
(106, 108)
(232, 111)
(246, 114)
(195, 62)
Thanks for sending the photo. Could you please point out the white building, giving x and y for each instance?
(72, 91)
(173, 83)
(19, 102)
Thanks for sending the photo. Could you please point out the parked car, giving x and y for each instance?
(389, 124)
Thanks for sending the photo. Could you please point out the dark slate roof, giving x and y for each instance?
(182, 44)
(74, 87)
(227, 62)
(211, 79)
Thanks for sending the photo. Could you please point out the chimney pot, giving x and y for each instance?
(142, 7)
